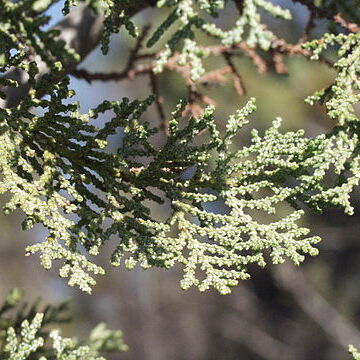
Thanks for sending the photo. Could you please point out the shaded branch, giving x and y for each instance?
(237, 81)
(312, 303)
(325, 13)
(164, 122)
(352, 27)
(111, 76)
(255, 339)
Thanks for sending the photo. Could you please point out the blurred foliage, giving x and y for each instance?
(24, 333)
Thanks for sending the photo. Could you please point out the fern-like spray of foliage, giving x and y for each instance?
(87, 195)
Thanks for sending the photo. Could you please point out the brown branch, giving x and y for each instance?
(256, 59)
(278, 50)
(134, 53)
(214, 78)
(282, 47)
(278, 61)
(352, 27)
(312, 303)
(260, 342)
(237, 81)
(196, 100)
(327, 14)
(111, 76)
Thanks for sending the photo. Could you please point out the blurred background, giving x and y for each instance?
(283, 312)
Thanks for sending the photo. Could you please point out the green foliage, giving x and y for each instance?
(106, 191)
(340, 99)
(227, 208)
(21, 37)
(126, 183)
(342, 95)
(24, 334)
(354, 352)
(87, 195)
(187, 15)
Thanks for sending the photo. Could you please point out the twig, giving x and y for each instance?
(278, 61)
(326, 316)
(164, 123)
(237, 81)
(327, 14)
(256, 59)
(352, 27)
(112, 76)
(138, 46)
(255, 339)
(215, 77)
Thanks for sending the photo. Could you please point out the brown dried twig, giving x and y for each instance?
(237, 81)
(214, 78)
(328, 14)
(138, 46)
(197, 101)
(278, 61)
(112, 76)
(352, 27)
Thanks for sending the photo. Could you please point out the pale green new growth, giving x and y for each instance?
(354, 352)
(341, 96)
(25, 335)
(188, 17)
(227, 208)
(220, 245)
(27, 343)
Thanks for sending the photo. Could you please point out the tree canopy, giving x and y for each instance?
(60, 167)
